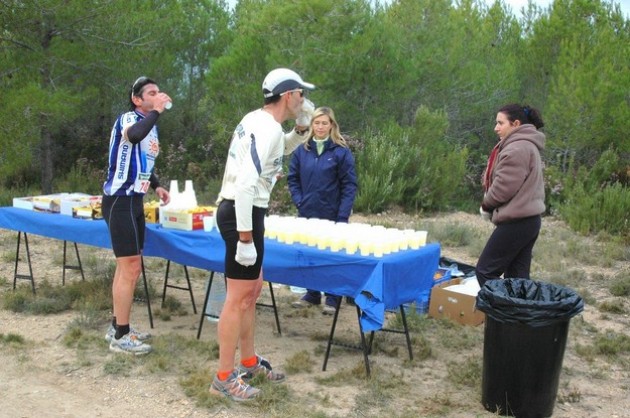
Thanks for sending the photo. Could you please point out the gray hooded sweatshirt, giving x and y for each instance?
(517, 190)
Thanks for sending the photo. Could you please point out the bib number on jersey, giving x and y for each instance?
(142, 183)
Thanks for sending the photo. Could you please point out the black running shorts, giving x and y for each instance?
(124, 216)
(226, 222)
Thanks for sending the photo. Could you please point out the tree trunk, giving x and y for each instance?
(46, 146)
(46, 161)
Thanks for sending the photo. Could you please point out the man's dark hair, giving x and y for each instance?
(137, 88)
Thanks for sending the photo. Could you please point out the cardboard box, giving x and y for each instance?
(459, 307)
(152, 212)
(42, 203)
(83, 212)
(422, 302)
(75, 200)
(93, 209)
(184, 220)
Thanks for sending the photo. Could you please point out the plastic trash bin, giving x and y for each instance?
(525, 335)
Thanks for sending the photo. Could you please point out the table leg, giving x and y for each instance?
(71, 267)
(189, 288)
(364, 347)
(272, 305)
(28, 258)
(403, 316)
(146, 292)
(205, 304)
(275, 309)
(405, 330)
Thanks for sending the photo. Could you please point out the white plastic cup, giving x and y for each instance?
(208, 223)
(422, 238)
(352, 245)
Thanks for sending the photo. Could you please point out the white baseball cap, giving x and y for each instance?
(281, 80)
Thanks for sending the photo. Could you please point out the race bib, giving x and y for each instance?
(142, 183)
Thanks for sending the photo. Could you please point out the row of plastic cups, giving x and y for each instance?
(351, 238)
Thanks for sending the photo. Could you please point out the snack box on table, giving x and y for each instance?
(152, 212)
(42, 203)
(76, 200)
(186, 220)
(93, 210)
(459, 307)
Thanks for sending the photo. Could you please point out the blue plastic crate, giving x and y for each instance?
(441, 275)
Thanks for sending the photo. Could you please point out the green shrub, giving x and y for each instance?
(597, 200)
(10, 338)
(614, 307)
(454, 234)
(378, 167)
(415, 168)
(612, 343)
(436, 166)
(588, 211)
(620, 286)
(83, 177)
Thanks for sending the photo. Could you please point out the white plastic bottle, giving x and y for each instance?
(216, 298)
(189, 197)
(298, 290)
(175, 197)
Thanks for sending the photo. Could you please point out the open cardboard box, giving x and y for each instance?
(72, 201)
(459, 307)
(41, 203)
(184, 220)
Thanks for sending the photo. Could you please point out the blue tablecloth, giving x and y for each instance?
(376, 283)
(54, 225)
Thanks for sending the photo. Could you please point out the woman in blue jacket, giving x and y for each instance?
(323, 183)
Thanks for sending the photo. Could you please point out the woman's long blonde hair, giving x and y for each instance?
(335, 133)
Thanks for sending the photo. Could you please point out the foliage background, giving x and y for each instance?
(415, 85)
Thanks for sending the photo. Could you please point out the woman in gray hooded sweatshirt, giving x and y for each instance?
(514, 194)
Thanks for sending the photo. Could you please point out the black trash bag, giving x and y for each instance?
(528, 302)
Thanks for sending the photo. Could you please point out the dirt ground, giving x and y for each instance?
(49, 379)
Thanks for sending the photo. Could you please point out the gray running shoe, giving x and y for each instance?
(129, 344)
(111, 332)
(262, 367)
(234, 388)
(301, 303)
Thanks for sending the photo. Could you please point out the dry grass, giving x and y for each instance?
(443, 379)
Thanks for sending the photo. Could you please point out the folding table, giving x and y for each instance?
(375, 283)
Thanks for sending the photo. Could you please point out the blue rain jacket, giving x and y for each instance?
(323, 186)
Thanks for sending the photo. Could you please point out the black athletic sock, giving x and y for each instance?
(114, 322)
(121, 330)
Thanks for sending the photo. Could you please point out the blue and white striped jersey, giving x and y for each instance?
(130, 165)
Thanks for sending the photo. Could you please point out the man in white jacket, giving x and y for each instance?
(253, 165)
